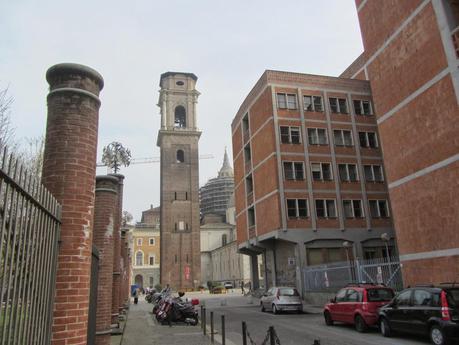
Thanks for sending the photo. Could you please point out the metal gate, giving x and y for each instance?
(333, 276)
(29, 235)
(92, 318)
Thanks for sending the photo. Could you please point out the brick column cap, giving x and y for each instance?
(68, 67)
(120, 177)
(106, 183)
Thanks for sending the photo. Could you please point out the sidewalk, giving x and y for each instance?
(141, 329)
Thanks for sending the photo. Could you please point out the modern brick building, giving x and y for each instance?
(308, 174)
(178, 140)
(411, 59)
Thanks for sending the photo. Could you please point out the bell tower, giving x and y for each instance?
(178, 138)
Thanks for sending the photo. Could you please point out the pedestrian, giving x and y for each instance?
(250, 287)
(242, 287)
(136, 296)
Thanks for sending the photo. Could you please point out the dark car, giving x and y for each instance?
(424, 310)
(357, 304)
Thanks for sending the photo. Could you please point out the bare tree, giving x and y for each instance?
(6, 128)
(114, 155)
(32, 155)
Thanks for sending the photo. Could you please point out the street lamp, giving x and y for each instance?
(386, 238)
(347, 245)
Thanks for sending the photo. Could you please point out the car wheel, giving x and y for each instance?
(437, 337)
(262, 307)
(328, 319)
(275, 311)
(360, 324)
(385, 328)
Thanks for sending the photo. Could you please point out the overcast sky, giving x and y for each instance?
(227, 44)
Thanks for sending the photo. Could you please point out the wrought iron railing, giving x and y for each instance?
(29, 235)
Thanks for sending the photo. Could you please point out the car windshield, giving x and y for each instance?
(378, 295)
(288, 292)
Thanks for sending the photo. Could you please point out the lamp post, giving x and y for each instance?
(386, 238)
(347, 245)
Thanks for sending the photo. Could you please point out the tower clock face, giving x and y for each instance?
(180, 83)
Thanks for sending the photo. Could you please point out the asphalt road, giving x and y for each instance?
(292, 329)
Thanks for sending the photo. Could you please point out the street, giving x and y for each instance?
(292, 329)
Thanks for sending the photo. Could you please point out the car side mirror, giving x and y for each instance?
(333, 300)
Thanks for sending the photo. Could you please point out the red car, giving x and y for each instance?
(357, 304)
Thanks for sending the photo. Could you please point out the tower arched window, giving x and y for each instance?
(180, 117)
(180, 156)
(139, 258)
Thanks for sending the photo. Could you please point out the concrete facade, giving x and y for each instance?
(411, 60)
(308, 174)
(146, 253)
(178, 140)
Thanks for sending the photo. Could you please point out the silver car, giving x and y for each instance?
(281, 298)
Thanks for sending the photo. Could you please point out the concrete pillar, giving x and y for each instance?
(117, 252)
(104, 213)
(69, 170)
(254, 271)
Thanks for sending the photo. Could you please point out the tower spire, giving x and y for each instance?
(226, 169)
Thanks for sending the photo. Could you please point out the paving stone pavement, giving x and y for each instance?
(142, 329)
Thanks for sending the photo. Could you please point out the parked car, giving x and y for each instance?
(425, 310)
(281, 298)
(228, 285)
(357, 304)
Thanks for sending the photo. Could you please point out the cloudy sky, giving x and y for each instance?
(227, 44)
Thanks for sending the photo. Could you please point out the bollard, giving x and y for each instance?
(271, 335)
(202, 318)
(223, 330)
(212, 327)
(204, 321)
(244, 333)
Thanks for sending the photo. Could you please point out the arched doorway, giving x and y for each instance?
(139, 281)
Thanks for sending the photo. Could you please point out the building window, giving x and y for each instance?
(249, 184)
(326, 208)
(313, 103)
(286, 101)
(452, 13)
(368, 139)
(151, 260)
(379, 208)
(353, 208)
(348, 172)
(152, 241)
(293, 171)
(318, 256)
(290, 135)
(321, 171)
(297, 208)
(139, 241)
(247, 154)
(251, 216)
(343, 137)
(317, 136)
(338, 105)
(373, 173)
(139, 258)
(180, 156)
(180, 117)
(245, 124)
(362, 107)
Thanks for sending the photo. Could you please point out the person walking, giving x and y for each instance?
(242, 287)
(136, 296)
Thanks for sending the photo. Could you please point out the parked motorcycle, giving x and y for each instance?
(176, 310)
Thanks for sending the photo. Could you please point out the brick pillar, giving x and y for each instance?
(124, 291)
(69, 169)
(117, 252)
(104, 214)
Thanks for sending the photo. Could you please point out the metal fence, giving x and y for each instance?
(333, 276)
(29, 234)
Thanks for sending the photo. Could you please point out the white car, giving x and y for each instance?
(281, 298)
(228, 285)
